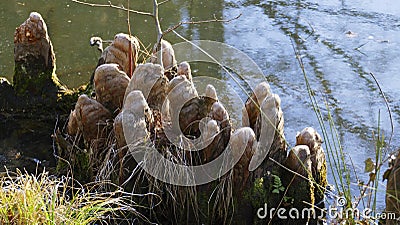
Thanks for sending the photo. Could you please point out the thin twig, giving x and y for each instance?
(360, 46)
(362, 190)
(160, 3)
(130, 44)
(157, 21)
(387, 106)
(158, 46)
(312, 30)
(199, 22)
(110, 5)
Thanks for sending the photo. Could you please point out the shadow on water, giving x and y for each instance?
(26, 144)
(294, 27)
(338, 43)
(296, 30)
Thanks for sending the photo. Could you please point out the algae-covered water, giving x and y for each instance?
(340, 42)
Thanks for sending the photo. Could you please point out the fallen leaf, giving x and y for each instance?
(369, 165)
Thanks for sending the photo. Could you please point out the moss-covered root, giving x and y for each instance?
(282, 197)
(310, 137)
(34, 59)
(35, 81)
(393, 191)
(264, 194)
(300, 185)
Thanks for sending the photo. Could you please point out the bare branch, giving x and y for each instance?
(130, 44)
(199, 22)
(154, 15)
(110, 5)
(158, 46)
(157, 21)
(165, 1)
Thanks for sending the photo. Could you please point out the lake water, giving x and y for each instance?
(340, 42)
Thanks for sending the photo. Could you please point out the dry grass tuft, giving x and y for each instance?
(44, 199)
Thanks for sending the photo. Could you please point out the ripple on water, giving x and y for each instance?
(337, 65)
